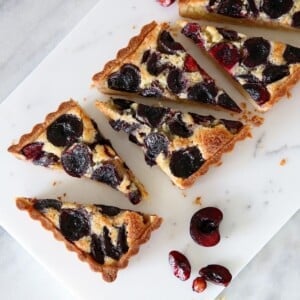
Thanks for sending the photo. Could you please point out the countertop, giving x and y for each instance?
(29, 30)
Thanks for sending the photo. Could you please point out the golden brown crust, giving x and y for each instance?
(109, 273)
(122, 54)
(38, 129)
(216, 158)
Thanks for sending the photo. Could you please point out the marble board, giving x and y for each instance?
(256, 194)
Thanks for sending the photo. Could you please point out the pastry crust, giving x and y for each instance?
(71, 106)
(214, 142)
(134, 54)
(109, 273)
(196, 9)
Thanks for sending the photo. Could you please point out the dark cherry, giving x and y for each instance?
(154, 65)
(258, 92)
(135, 197)
(296, 19)
(226, 54)
(204, 226)
(274, 73)
(74, 224)
(226, 102)
(185, 162)
(118, 125)
(76, 159)
(253, 8)
(155, 90)
(33, 150)
(203, 92)
(178, 127)
(191, 30)
(292, 54)
(108, 210)
(46, 159)
(155, 144)
(153, 116)
(180, 265)
(190, 65)
(43, 204)
(122, 240)
(233, 126)
(175, 81)
(166, 43)
(127, 79)
(276, 8)
(108, 174)
(203, 120)
(145, 56)
(108, 248)
(216, 274)
(231, 8)
(96, 249)
(256, 51)
(122, 104)
(229, 35)
(65, 130)
(199, 284)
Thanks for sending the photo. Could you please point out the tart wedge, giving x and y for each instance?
(270, 13)
(155, 65)
(70, 140)
(103, 236)
(264, 70)
(183, 145)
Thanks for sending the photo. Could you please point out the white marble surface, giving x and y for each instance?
(28, 31)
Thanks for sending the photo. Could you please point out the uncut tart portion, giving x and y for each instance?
(264, 70)
(154, 65)
(71, 141)
(271, 13)
(183, 145)
(103, 236)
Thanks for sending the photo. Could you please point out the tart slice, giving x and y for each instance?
(183, 145)
(103, 236)
(71, 141)
(154, 65)
(265, 70)
(271, 13)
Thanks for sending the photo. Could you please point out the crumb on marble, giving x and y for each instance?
(84, 99)
(283, 162)
(183, 194)
(198, 200)
(133, 27)
(257, 120)
(54, 183)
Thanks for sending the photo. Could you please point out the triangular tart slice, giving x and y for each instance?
(266, 13)
(155, 65)
(264, 70)
(103, 236)
(183, 145)
(70, 140)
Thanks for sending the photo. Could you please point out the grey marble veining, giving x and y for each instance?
(29, 30)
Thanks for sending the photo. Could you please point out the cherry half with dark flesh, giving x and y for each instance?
(180, 265)
(296, 19)
(231, 8)
(175, 81)
(65, 130)
(276, 8)
(43, 204)
(203, 92)
(127, 79)
(185, 162)
(258, 92)
(166, 43)
(256, 51)
(274, 73)
(216, 274)
(153, 116)
(204, 226)
(108, 174)
(226, 54)
(292, 54)
(155, 143)
(76, 159)
(74, 224)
